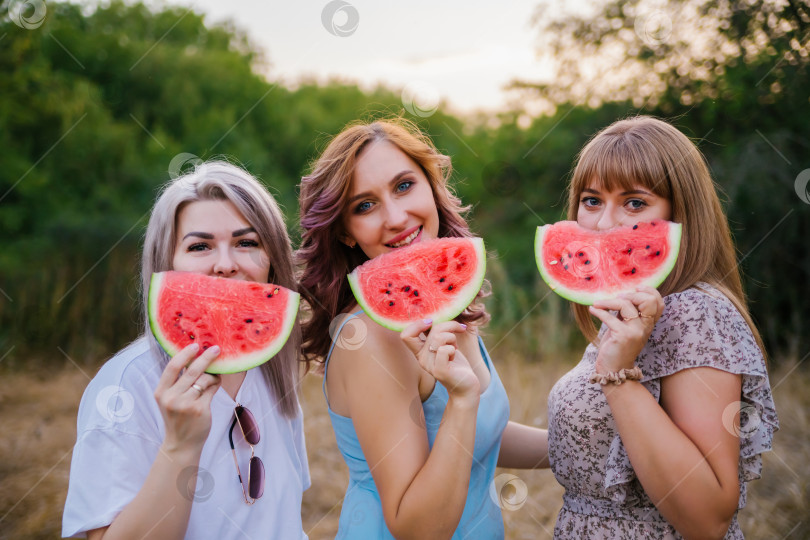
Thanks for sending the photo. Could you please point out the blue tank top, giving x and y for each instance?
(362, 516)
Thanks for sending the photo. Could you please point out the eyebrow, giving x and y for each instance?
(631, 192)
(208, 236)
(394, 180)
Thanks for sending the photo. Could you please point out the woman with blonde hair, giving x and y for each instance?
(158, 454)
(421, 422)
(657, 431)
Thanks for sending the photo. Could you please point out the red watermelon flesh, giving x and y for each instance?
(435, 279)
(249, 321)
(585, 266)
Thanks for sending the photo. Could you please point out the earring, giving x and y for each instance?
(352, 244)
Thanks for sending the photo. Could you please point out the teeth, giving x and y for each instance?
(407, 240)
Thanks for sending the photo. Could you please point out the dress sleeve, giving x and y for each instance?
(702, 328)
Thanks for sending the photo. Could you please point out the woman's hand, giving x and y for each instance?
(628, 330)
(184, 398)
(438, 355)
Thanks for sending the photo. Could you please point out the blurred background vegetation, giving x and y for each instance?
(96, 103)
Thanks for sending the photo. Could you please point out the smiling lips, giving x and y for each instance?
(405, 238)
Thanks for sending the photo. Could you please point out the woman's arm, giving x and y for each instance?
(524, 447)
(161, 509)
(422, 491)
(683, 455)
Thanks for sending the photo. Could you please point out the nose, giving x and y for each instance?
(396, 216)
(225, 265)
(608, 219)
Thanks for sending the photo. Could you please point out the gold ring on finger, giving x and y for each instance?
(198, 388)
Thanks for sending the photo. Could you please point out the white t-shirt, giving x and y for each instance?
(120, 430)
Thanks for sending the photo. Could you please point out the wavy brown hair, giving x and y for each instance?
(652, 153)
(323, 202)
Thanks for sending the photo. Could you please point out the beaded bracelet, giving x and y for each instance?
(617, 377)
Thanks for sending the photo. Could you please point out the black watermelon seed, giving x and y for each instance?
(387, 292)
(191, 336)
(629, 250)
(441, 280)
(257, 332)
(450, 288)
(588, 262)
(635, 227)
(565, 267)
(658, 253)
(179, 314)
(389, 284)
(633, 271)
(248, 320)
(648, 247)
(269, 295)
(415, 292)
(390, 303)
(588, 278)
(406, 288)
(569, 255)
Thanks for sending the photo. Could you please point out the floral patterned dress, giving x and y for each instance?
(603, 498)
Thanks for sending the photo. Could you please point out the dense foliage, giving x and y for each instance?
(95, 104)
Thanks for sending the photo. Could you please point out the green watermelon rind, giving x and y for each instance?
(244, 362)
(589, 298)
(449, 312)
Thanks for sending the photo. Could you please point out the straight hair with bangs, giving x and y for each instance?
(220, 180)
(651, 153)
(323, 199)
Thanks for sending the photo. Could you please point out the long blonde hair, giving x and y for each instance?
(650, 152)
(219, 180)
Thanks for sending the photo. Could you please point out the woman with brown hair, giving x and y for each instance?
(658, 429)
(421, 424)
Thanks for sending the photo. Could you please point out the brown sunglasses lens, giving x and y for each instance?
(249, 426)
(256, 483)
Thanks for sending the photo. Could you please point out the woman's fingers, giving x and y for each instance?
(175, 366)
(197, 368)
(410, 335)
(625, 307)
(606, 317)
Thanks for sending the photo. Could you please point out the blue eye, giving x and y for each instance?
(248, 243)
(590, 201)
(197, 247)
(362, 207)
(404, 186)
(636, 204)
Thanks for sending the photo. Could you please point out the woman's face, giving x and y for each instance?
(213, 238)
(601, 210)
(391, 204)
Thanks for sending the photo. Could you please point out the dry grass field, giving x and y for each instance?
(38, 414)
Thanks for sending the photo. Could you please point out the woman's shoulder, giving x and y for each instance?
(122, 387)
(700, 301)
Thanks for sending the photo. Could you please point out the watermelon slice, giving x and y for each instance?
(585, 266)
(249, 321)
(434, 279)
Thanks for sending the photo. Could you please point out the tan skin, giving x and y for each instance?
(214, 239)
(682, 454)
(422, 490)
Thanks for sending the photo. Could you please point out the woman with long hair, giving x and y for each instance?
(421, 422)
(658, 429)
(160, 443)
